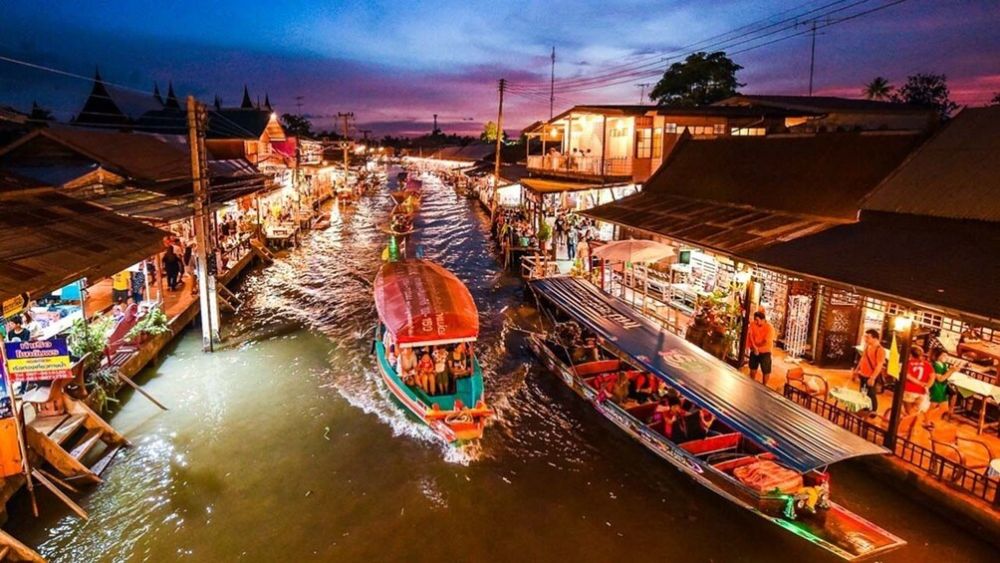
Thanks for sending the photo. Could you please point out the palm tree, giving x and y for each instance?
(878, 89)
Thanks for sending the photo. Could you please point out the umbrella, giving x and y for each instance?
(633, 252)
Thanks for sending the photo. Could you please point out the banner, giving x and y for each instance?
(42, 360)
(14, 305)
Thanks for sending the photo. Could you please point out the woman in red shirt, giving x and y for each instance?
(919, 375)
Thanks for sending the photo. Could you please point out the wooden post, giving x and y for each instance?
(200, 223)
(604, 144)
(496, 159)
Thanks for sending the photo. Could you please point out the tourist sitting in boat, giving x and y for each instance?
(390, 347)
(668, 419)
(642, 386)
(459, 361)
(619, 392)
(425, 373)
(408, 366)
(442, 379)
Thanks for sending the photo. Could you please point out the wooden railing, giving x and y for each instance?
(582, 165)
(968, 480)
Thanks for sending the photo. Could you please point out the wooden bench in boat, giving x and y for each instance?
(714, 444)
(595, 368)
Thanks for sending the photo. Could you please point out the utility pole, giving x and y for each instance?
(434, 131)
(812, 58)
(199, 178)
(346, 142)
(496, 166)
(642, 92)
(298, 104)
(552, 84)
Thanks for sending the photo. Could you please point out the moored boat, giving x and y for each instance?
(424, 343)
(752, 446)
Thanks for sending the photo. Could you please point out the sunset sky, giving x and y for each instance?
(394, 64)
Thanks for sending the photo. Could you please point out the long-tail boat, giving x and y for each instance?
(424, 309)
(750, 445)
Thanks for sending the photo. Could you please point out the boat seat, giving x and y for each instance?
(599, 382)
(594, 368)
(713, 444)
(644, 411)
(728, 465)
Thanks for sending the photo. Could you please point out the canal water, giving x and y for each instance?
(284, 446)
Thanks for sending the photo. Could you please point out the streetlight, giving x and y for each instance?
(902, 326)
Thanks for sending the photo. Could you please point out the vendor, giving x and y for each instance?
(17, 332)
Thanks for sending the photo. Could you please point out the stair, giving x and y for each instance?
(87, 443)
(261, 251)
(59, 441)
(229, 299)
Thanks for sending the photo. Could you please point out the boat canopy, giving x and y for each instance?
(797, 436)
(422, 304)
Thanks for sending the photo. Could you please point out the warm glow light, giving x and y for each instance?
(274, 115)
(554, 132)
(902, 323)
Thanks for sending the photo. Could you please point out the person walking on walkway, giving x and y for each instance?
(760, 338)
(172, 267)
(870, 366)
(572, 238)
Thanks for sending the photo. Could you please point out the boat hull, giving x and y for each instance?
(843, 533)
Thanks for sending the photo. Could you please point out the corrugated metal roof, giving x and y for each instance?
(722, 227)
(946, 263)
(955, 174)
(50, 240)
(826, 175)
(555, 186)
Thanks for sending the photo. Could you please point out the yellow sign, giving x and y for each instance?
(14, 305)
(894, 366)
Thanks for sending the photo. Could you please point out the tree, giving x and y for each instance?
(297, 125)
(489, 133)
(996, 99)
(878, 89)
(702, 79)
(928, 90)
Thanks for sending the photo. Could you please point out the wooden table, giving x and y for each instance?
(981, 348)
(969, 386)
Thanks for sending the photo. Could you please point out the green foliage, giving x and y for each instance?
(102, 385)
(489, 133)
(928, 90)
(996, 99)
(545, 232)
(90, 338)
(297, 125)
(153, 323)
(878, 89)
(702, 79)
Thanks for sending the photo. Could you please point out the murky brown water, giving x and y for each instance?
(285, 447)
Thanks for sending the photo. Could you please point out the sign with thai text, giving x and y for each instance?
(14, 305)
(42, 360)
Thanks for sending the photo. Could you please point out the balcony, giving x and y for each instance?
(581, 167)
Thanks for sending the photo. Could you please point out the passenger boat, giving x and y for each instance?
(734, 436)
(422, 306)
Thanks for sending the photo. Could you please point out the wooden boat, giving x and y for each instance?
(750, 445)
(422, 305)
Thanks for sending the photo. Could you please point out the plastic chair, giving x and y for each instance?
(797, 377)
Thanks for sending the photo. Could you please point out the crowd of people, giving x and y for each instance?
(435, 370)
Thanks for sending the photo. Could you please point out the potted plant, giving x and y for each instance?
(544, 236)
(89, 338)
(102, 386)
(150, 325)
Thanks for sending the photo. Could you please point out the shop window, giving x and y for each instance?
(719, 129)
(670, 128)
(657, 142)
(748, 131)
(644, 143)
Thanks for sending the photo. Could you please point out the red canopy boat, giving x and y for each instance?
(423, 304)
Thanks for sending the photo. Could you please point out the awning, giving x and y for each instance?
(50, 240)
(422, 303)
(798, 437)
(554, 186)
(713, 225)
